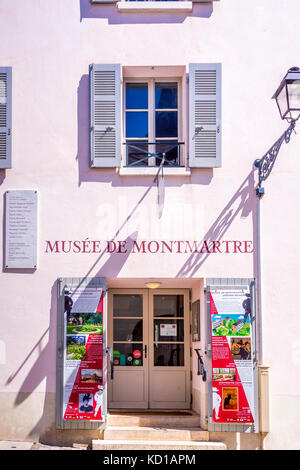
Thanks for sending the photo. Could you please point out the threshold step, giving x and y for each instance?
(155, 445)
(159, 420)
(155, 433)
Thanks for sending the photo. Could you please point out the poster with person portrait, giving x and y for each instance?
(232, 356)
(83, 359)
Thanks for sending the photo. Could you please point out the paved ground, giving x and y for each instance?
(16, 445)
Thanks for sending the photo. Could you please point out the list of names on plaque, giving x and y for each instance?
(21, 229)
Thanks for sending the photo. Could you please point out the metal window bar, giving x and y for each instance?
(160, 155)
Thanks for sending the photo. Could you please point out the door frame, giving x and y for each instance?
(156, 371)
(143, 403)
(149, 369)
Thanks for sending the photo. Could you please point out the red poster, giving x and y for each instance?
(83, 365)
(232, 356)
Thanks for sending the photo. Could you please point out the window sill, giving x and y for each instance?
(152, 171)
(158, 6)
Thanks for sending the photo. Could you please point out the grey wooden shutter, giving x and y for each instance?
(105, 115)
(205, 115)
(5, 116)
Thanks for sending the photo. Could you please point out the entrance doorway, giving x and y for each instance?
(149, 333)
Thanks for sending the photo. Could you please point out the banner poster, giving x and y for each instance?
(232, 356)
(83, 358)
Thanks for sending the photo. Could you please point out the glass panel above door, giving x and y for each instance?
(128, 305)
(169, 305)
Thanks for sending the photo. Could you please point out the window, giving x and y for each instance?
(151, 122)
(137, 123)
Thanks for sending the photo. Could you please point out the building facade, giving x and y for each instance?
(136, 125)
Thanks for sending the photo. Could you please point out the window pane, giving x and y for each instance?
(172, 155)
(135, 155)
(128, 354)
(166, 123)
(168, 305)
(169, 355)
(294, 94)
(168, 330)
(136, 124)
(136, 96)
(282, 101)
(128, 305)
(166, 96)
(128, 330)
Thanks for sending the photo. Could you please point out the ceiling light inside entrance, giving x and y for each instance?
(152, 285)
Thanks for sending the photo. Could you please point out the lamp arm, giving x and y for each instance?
(266, 163)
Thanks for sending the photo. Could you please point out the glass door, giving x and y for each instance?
(128, 334)
(149, 333)
(169, 361)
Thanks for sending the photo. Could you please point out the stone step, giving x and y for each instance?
(148, 433)
(155, 445)
(191, 420)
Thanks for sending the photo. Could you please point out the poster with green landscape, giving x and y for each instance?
(230, 325)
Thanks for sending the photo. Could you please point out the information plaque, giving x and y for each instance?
(21, 229)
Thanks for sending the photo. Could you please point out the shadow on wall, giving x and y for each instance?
(241, 204)
(44, 368)
(111, 13)
(110, 175)
(2, 176)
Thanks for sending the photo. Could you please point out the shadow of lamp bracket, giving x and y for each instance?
(201, 365)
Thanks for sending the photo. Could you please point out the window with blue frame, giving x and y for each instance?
(151, 123)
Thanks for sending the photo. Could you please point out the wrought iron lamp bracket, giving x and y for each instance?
(266, 163)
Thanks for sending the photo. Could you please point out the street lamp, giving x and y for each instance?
(287, 97)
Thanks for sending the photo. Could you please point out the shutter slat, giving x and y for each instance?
(5, 116)
(3, 146)
(105, 96)
(205, 115)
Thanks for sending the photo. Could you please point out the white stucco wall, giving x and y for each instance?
(50, 46)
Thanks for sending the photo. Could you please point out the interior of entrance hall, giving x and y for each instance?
(155, 365)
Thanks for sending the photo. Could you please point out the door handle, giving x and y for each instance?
(145, 351)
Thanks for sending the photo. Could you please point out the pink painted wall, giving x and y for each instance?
(50, 46)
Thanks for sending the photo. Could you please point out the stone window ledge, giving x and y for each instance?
(152, 171)
(159, 6)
